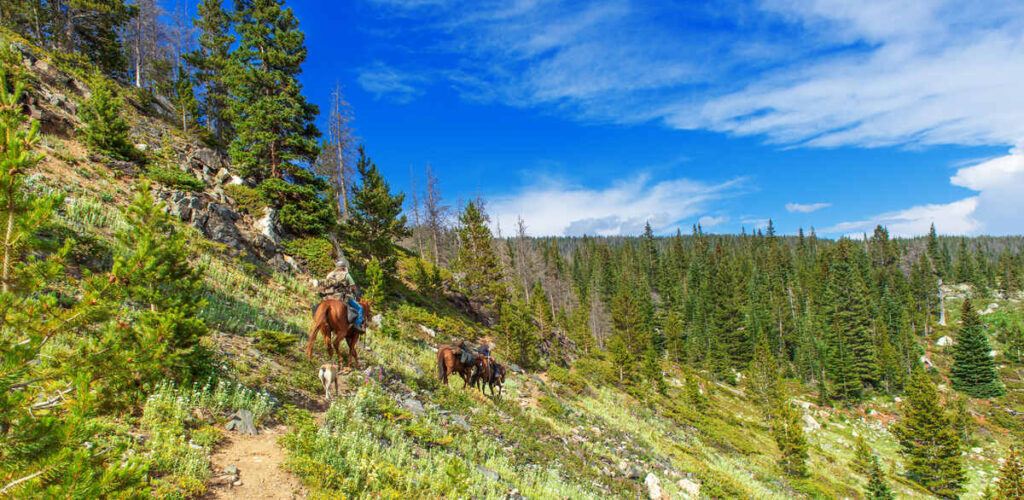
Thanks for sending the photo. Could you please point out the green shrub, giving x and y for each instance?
(175, 178)
(573, 383)
(315, 252)
(599, 371)
(105, 129)
(376, 287)
(248, 200)
(551, 406)
(273, 341)
(301, 207)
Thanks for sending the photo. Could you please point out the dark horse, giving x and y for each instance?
(331, 318)
(489, 373)
(449, 360)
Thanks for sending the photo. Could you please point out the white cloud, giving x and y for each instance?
(383, 80)
(806, 208)
(754, 223)
(1000, 186)
(812, 72)
(996, 209)
(559, 208)
(712, 220)
(949, 218)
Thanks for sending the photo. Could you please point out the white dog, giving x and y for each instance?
(328, 375)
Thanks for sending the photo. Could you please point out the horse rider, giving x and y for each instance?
(486, 346)
(339, 285)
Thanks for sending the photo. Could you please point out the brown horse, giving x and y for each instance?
(497, 378)
(488, 373)
(449, 361)
(331, 318)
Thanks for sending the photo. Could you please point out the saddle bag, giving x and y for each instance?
(467, 357)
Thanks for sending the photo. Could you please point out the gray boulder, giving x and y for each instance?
(488, 473)
(414, 406)
(218, 224)
(243, 422)
(460, 421)
(268, 225)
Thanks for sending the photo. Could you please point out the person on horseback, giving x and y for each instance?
(486, 345)
(340, 285)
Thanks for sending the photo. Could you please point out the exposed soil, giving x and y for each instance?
(260, 463)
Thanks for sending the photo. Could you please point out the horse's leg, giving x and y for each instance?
(351, 340)
(336, 344)
(327, 343)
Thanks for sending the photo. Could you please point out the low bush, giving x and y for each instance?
(273, 341)
(248, 200)
(175, 178)
(315, 252)
(301, 207)
(105, 129)
(572, 383)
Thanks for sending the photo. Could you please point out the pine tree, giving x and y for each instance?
(162, 338)
(211, 61)
(938, 259)
(517, 333)
(878, 488)
(477, 258)
(375, 217)
(93, 28)
(376, 289)
(105, 129)
(852, 362)
(727, 323)
(1011, 476)
(652, 368)
(272, 119)
(630, 338)
(861, 456)
(929, 441)
(974, 371)
(762, 381)
(185, 100)
(46, 406)
(1015, 341)
(697, 400)
(789, 436)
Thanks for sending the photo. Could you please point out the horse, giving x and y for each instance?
(481, 372)
(488, 373)
(449, 361)
(497, 379)
(331, 318)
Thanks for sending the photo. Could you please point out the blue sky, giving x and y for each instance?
(594, 117)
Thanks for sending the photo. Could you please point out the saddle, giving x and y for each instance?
(467, 357)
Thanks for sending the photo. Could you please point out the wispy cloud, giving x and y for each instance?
(385, 81)
(995, 209)
(623, 208)
(797, 72)
(754, 223)
(806, 208)
(712, 220)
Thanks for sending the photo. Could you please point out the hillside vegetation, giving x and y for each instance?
(161, 243)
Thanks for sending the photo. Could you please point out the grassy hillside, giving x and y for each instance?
(396, 432)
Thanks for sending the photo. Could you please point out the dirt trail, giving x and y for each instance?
(260, 463)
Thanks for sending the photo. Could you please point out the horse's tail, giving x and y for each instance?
(440, 364)
(319, 321)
